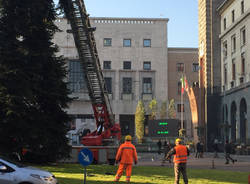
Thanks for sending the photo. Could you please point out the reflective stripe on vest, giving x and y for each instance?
(181, 154)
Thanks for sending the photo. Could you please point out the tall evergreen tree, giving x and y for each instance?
(33, 94)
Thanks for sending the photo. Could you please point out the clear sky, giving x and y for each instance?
(182, 15)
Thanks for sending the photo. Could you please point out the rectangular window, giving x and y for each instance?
(242, 7)
(127, 85)
(127, 65)
(225, 74)
(243, 36)
(224, 49)
(180, 67)
(76, 77)
(147, 86)
(225, 23)
(179, 88)
(107, 42)
(146, 42)
(126, 42)
(196, 67)
(108, 82)
(180, 107)
(107, 65)
(233, 16)
(243, 64)
(233, 41)
(146, 65)
(233, 70)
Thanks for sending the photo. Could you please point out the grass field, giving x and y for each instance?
(104, 174)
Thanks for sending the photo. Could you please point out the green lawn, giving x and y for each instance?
(104, 174)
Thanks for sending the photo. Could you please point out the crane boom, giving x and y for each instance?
(86, 46)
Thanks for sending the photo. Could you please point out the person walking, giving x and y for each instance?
(216, 148)
(126, 155)
(167, 148)
(159, 146)
(180, 153)
(228, 151)
(198, 149)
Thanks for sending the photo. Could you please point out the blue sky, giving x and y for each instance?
(182, 15)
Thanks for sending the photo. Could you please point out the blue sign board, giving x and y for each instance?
(85, 157)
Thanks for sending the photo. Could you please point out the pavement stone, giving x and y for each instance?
(207, 162)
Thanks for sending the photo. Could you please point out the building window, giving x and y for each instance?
(127, 65)
(127, 85)
(180, 108)
(243, 64)
(179, 88)
(108, 82)
(233, 70)
(225, 23)
(242, 7)
(233, 16)
(224, 50)
(107, 42)
(233, 40)
(196, 67)
(225, 74)
(76, 77)
(107, 65)
(147, 86)
(243, 36)
(126, 42)
(146, 42)
(180, 67)
(146, 65)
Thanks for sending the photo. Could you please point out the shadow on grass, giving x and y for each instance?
(80, 181)
(140, 172)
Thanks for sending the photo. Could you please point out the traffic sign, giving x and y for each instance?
(85, 157)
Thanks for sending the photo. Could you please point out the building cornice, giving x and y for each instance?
(182, 49)
(224, 5)
(130, 18)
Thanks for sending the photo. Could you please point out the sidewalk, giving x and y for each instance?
(207, 162)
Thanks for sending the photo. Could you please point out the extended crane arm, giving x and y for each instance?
(85, 43)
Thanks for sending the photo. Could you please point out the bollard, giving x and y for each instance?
(249, 179)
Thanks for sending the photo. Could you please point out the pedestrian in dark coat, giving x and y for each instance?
(198, 148)
(167, 148)
(228, 151)
(159, 146)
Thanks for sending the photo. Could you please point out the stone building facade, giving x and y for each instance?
(235, 70)
(224, 70)
(134, 58)
(135, 63)
(183, 62)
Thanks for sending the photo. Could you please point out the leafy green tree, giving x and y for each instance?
(33, 94)
(153, 109)
(163, 110)
(139, 121)
(171, 109)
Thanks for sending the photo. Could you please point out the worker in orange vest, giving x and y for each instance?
(126, 155)
(180, 153)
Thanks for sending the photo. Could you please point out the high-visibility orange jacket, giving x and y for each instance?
(181, 153)
(126, 153)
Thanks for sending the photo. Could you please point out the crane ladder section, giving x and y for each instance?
(86, 46)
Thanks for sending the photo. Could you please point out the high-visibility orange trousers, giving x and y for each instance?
(122, 167)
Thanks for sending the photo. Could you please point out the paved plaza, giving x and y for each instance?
(207, 162)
